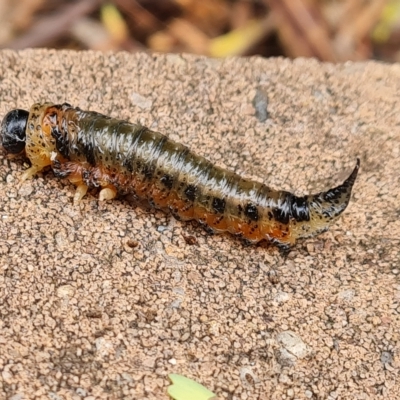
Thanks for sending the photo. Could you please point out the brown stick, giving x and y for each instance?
(52, 27)
(305, 29)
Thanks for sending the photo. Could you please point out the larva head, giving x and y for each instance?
(12, 131)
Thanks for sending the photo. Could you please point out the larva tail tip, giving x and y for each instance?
(332, 203)
(352, 178)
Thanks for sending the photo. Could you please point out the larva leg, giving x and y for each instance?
(39, 161)
(107, 193)
(80, 193)
(73, 171)
(30, 172)
(81, 188)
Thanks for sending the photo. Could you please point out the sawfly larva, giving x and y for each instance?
(120, 157)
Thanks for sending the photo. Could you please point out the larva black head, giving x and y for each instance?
(12, 131)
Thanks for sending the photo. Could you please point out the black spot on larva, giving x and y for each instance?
(281, 215)
(174, 212)
(335, 194)
(218, 220)
(148, 171)
(128, 165)
(64, 123)
(208, 229)
(299, 209)
(61, 141)
(251, 211)
(88, 150)
(167, 181)
(60, 173)
(191, 192)
(218, 205)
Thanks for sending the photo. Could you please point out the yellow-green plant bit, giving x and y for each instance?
(183, 388)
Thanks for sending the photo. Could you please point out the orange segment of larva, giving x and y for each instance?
(120, 157)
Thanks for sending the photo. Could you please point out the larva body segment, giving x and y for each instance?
(93, 150)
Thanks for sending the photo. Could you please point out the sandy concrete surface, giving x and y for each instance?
(104, 301)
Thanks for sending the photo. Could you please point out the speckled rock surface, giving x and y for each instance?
(105, 300)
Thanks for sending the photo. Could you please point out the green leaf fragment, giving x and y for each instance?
(183, 388)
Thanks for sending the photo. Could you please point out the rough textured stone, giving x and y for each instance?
(293, 344)
(98, 315)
